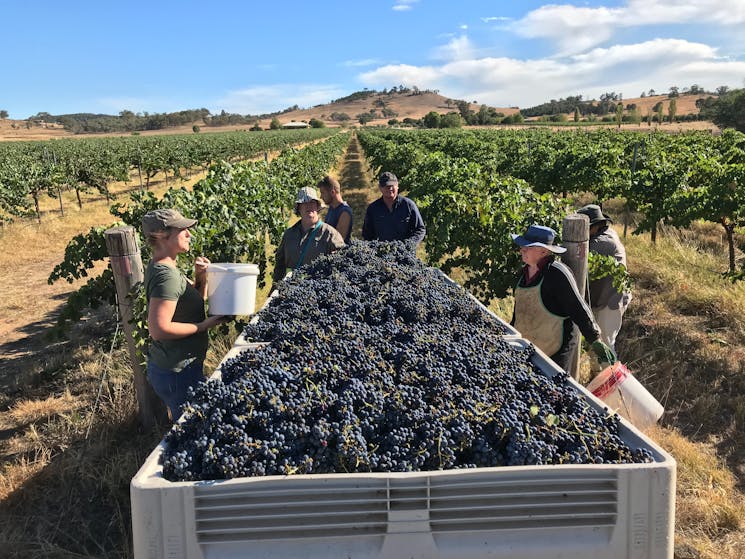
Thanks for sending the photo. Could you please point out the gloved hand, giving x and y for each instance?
(605, 355)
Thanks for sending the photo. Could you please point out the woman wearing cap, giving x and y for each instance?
(308, 239)
(608, 304)
(175, 309)
(548, 304)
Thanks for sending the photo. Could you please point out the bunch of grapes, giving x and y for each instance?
(376, 363)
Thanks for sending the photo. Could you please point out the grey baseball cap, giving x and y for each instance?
(160, 220)
(387, 178)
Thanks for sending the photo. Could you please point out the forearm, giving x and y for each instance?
(200, 284)
(175, 330)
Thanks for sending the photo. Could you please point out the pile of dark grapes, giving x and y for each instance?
(376, 363)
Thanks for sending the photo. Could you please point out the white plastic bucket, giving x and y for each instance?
(620, 390)
(231, 288)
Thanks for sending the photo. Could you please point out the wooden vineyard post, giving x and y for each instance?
(126, 263)
(576, 238)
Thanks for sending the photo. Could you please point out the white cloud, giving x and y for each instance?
(404, 5)
(575, 29)
(458, 48)
(627, 69)
(270, 98)
(358, 63)
(491, 19)
(463, 26)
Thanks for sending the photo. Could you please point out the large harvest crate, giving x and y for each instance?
(577, 511)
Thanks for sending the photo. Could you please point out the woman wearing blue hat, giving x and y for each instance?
(548, 304)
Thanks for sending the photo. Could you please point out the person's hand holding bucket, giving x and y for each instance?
(602, 356)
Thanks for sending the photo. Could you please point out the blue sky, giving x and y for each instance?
(253, 57)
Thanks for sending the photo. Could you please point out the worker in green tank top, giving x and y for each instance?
(548, 304)
(175, 309)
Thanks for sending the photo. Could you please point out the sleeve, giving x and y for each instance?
(167, 284)
(280, 268)
(563, 298)
(368, 227)
(416, 229)
(336, 241)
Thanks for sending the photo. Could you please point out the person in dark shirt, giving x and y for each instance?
(608, 304)
(339, 215)
(392, 217)
(548, 304)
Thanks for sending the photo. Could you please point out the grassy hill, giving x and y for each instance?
(383, 105)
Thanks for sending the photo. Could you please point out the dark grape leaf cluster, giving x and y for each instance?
(376, 363)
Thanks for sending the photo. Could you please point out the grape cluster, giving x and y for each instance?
(376, 363)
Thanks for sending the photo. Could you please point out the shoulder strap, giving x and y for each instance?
(306, 244)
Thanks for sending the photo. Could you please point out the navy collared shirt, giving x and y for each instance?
(401, 223)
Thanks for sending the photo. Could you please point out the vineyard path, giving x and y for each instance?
(357, 184)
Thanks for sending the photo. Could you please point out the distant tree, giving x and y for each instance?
(464, 107)
(635, 115)
(658, 110)
(388, 113)
(195, 129)
(393, 122)
(340, 117)
(652, 93)
(674, 92)
(729, 110)
(704, 103)
(364, 118)
(643, 94)
(619, 114)
(451, 120)
(3, 114)
(672, 109)
(722, 89)
(696, 89)
(431, 120)
(315, 123)
(514, 118)
(275, 124)
(255, 128)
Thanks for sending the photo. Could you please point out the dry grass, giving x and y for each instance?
(709, 509)
(28, 411)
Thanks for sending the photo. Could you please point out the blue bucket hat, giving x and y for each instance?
(538, 236)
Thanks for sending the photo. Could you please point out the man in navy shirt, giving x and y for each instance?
(392, 217)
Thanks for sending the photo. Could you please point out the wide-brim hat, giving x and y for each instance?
(595, 213)
(538, 236)
(159, 220)
(308, 194)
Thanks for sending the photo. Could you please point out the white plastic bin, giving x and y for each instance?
(231, 288)
(537, 512)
